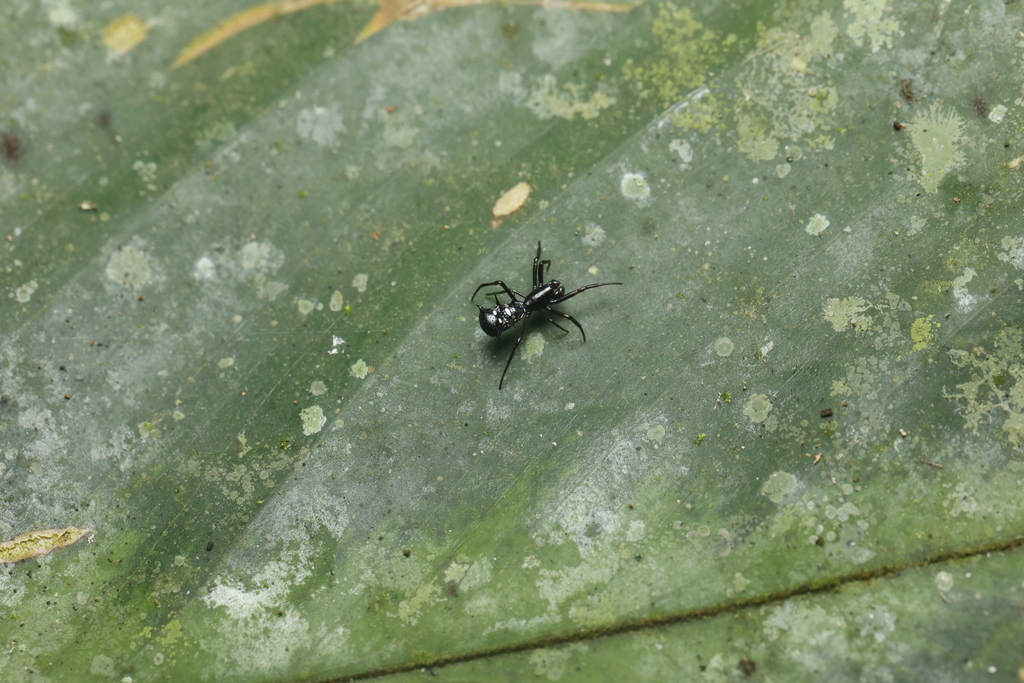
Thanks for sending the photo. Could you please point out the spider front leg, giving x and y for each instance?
(522, 333)
(538, 268)
(511, 292)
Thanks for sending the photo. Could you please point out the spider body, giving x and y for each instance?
(501, 317)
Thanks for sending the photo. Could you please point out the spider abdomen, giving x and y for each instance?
(494, 321)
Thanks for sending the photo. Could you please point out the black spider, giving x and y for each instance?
(494, 321)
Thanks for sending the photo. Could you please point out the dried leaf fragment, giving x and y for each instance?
(124, 33)
(35, 543)
(390, 12)
(513, 200)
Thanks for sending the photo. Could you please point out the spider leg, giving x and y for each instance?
(538, 268)
(581, 290)
(548, 318)
(499, 283)
(522, 333)
(569, 318)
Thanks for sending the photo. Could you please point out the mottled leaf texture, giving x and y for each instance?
(239, 364)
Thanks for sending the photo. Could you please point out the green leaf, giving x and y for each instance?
(239, 356)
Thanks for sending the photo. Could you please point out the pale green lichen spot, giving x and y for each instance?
(129, 267)
(35, 543)
(871, 21)
(779, 486)
(817, 225)
(921, 332)
(724, 347)
(757, 408)
(1014, 254)
(534, 345)
(634, 186)
(337, 301)
(359, 369)
(306, 306)
(313, 420)
(317, 388)
(937, 135)
(548, 100)
(24, 293)
(656, 433)
(847, 312)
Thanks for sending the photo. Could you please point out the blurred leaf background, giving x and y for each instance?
(237, 345)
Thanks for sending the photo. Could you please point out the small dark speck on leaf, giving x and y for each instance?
(406, 552)
(980, 106)
(209, 546)
(453, 589)
(827, 412)
(747, 666)
(14, 148)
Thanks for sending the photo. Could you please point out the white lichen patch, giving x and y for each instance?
(937, 135)
(313, 420)
(593, 235)
(337, 301)
(812, 637)
(129, 267)
(61, 14)
(205, 269)
(871, 22)
(757, 408)
(685, 151)
(964, 299)
(260, 257)
(321, 125)
(259, 631)
(779, 486)
(848, 313)
(550, 662)
(23, 294)
(634, 186)
(146, 170)
(786, 92)
(817, 225)
(305, 306)
(359, 369)
(512, 200)
(877, 623)
(547, 100)
(1014, 254)
(360, 282)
